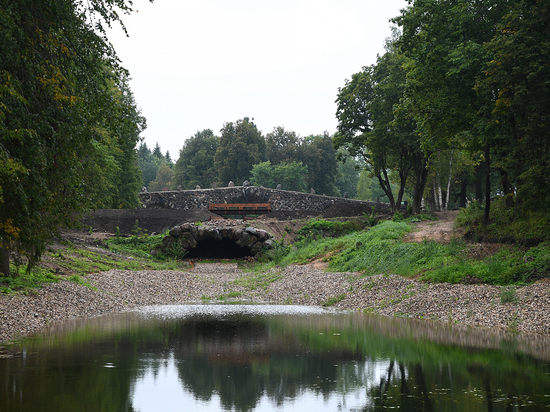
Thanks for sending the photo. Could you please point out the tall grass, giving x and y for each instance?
(381, 250)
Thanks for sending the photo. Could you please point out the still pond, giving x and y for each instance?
(272, 358)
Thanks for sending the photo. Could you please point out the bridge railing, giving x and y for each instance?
(239, 208)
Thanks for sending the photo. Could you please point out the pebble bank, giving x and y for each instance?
(117, 290)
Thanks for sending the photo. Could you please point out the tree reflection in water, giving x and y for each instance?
(244, 359)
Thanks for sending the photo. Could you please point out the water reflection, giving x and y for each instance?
(265, 358)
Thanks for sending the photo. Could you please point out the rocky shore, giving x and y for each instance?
(526, 311)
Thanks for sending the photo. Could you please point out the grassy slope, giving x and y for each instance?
(381, 249)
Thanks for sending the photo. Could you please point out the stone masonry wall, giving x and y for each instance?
(282, 200)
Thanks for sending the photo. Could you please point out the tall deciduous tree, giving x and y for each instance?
(195, 165)
(349, 169)
(444, 45)
(515, 88)
(55, 75)
(163, 180)
(369, 127)
(241, 147)
(283, 146)
(322, 167)
(291, 176)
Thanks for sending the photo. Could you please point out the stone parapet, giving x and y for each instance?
(280, 200)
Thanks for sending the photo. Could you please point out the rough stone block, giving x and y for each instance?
(175, 231)
(256, 248)
(251, 241)
(188, 237)
(241, 241)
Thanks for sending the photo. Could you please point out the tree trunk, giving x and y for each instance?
(478, 182)
(5, 261)
(386, 187)
(463, 187)
(448, 194)
(403, 178)
(506, 188)
(487, 185)
(436, 197)
(419, 186)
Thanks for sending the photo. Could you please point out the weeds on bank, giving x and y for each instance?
(23, 282)
(381, 250)
(319, 228)
(130, 253)
(333, 300)
(511, 224)
(508, 295)
(257, 281)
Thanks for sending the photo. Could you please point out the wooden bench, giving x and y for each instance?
(239, 208)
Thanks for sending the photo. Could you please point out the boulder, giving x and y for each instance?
(251, 241)
(188, 237)
(256, 248)
(250, 230)
(175, 231)
(268, 244)
(241, 241)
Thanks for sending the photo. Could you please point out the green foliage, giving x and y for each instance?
(195, 165)
(291, 176)
(319, 156)
(261, 280)
(148, 164)
(380, 250)
(317, 228)
(283, 146)
(531, 264)
(349, 170)
(483, 88)
(141, 244)
(24, 281)
(526, 228)
(398, 217)
(156, 169)
(371, 219)
(275, 255)
(368, 127)
(508, 295)
(516, 66)
(241, 146)
(333, 300)
(368, 188)
(64, 98)
(163, 178)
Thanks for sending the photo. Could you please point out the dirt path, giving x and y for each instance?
(441, 230)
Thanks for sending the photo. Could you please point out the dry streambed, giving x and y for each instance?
(115, 290)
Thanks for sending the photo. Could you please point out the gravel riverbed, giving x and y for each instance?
(117, 290)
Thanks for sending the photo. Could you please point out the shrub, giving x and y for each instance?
(508, 295)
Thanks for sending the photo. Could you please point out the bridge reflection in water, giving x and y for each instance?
(237, 357)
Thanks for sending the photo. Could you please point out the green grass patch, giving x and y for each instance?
(381, 250)
(334, 300)
(257, 281)
(524, 227)
(22, 281)
(318, 228)
(128, 254)
(508, 295)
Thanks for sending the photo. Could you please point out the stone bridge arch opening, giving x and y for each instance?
(216, 240)
(218, 249)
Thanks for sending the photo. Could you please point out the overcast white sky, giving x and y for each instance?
(196, 64)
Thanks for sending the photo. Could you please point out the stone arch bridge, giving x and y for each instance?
(280, 200)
